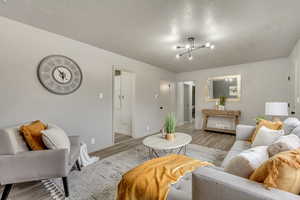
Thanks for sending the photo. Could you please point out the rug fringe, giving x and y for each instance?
(55, 192)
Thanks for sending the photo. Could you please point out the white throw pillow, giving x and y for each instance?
(284, 143)
(246, 162)
(290, 124)
(296, 131)
(56, 138)
(266, 136)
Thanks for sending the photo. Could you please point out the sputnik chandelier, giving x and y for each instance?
(190, 47)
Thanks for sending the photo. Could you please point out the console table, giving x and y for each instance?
(233, 114)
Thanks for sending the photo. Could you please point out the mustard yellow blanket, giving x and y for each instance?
(152, 179)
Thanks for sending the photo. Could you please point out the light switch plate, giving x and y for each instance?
(100, 95)
(93, 141)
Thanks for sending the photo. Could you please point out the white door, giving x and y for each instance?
(123, 102)
(166, 98)
(117, 102)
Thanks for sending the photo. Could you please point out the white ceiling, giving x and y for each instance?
(242, 30)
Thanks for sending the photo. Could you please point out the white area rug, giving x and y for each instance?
(99, 180)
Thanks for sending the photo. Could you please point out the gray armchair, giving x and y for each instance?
(18, 164)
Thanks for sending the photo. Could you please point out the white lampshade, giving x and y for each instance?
(276, 108)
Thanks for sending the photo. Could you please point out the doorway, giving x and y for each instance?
(186, 102)
(186, 92)
(124, 95)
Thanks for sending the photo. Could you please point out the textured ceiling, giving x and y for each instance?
(242, 30)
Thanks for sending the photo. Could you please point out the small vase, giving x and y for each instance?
(170, 136)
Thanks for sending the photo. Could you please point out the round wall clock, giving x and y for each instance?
(59, 74)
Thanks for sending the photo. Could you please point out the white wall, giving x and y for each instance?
(23, 98)
(260, 82)
(295, 82)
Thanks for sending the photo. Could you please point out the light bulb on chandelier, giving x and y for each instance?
(207, 44)
(190, 57)
(177, 56)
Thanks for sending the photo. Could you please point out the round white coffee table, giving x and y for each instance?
(156, 143)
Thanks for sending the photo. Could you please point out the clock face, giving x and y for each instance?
(62, 74)
(59, 74)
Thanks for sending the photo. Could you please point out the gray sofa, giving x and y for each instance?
(210, 183)
(18, 164)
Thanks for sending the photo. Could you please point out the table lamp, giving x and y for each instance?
(276, 109)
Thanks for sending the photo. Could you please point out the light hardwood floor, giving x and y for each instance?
(121, 137)
(209, 139)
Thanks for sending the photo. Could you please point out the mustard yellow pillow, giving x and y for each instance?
(33, 136)
(268, 124)
(281, 171)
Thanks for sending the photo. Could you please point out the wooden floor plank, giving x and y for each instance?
(119, 137)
